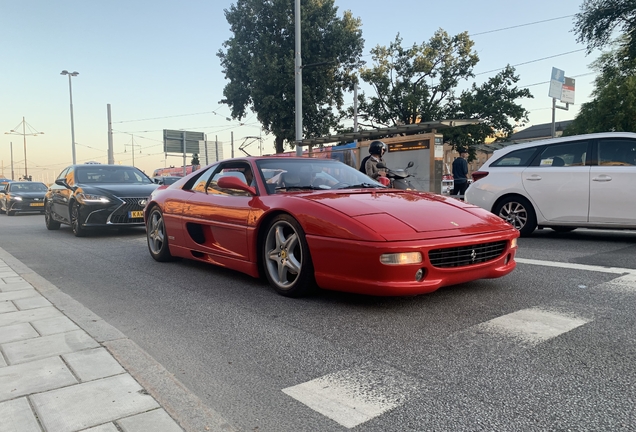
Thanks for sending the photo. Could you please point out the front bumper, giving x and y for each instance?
(350, 266)
(126, 212)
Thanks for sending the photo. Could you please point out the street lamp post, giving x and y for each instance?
(24, 135)
(70, 91)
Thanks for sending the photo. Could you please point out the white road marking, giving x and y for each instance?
(617, 270)
(626, 284)
(533, 325)
(349, 397)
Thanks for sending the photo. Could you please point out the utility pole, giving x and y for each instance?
(24, 135)
(133, 145)
(298, 82)
(111, 155)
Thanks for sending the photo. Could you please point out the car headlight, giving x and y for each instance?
(92, 199)
(16, 198)
(401, 258)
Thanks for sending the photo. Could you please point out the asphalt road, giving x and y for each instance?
(448, 361)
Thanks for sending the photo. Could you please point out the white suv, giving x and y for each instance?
(562, 183)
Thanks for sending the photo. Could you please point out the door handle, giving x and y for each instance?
(534, 178)
(603, 178)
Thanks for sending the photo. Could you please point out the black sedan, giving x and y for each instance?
(22, 197)
(166, 180)
(97, 196)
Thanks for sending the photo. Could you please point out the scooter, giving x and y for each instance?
(399, 178)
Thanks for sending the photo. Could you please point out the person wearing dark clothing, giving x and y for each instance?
(460, 173)
(363, 165)
(376, 151)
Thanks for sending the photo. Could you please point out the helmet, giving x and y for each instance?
(377, 147)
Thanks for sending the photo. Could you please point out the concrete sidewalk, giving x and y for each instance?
(62, 368)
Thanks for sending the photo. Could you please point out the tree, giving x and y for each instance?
(419, 84)
(613, 103)
(493, 102)
(259, 64)
(595, 25)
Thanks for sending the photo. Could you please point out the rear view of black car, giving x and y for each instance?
(97, 196)
(22, 197)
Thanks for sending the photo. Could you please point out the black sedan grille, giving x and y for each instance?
(123, 213)
(466, 255)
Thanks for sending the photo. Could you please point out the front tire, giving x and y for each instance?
(286, 258)
(50, 223)
(519, 213)
(10, 212)
(157, 237)
(76, 224)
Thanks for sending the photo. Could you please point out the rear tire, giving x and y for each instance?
(519, 213)
(286, 258)
(50, 223)
(157, 237)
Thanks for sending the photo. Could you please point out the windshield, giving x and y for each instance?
(27, 187)
(110, 174)
(281, 174)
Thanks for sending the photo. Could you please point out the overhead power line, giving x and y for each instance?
(521, 25)
(533, 61)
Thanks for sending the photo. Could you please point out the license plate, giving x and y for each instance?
(37, 204)
(136, 214)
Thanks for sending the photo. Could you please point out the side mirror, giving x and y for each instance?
(231, 182)
(381, 165)
(61, 182)
(410, 164)
(157, 181)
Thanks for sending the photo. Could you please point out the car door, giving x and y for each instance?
(59, 196)
(558, 182)
(4, 190)
(217, 219)
(613, 182)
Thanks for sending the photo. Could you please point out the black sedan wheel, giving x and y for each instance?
(286, 258)
(157, 238)
(48, 218)
(76, 225)
(518, 212)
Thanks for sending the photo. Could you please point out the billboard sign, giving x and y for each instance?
(173, 141)
(567, 92)
(556, 83)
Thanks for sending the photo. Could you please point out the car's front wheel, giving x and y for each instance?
(286, 258)
(50, 223)
(76, 223)
(519, 213)
(10, 212)
(157, 238)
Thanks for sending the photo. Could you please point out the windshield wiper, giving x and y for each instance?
(363, 186)
(308, 187)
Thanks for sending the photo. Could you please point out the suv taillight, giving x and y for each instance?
(479, 175)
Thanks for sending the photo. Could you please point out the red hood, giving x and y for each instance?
(404, 215)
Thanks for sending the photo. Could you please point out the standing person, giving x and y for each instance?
(376, 151)
(460, 173)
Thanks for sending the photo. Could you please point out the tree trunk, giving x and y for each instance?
(279, 144)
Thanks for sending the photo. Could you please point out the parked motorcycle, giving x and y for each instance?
(399, 178)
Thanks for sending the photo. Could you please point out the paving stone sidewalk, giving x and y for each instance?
(59, 374)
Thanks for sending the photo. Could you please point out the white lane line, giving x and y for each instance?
(617, 270)
(349, 397)
(533, 325)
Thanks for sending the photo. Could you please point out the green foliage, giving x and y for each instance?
(613, 104)
(259, 63)
(598, 21)
(419, 84)
(415, 84)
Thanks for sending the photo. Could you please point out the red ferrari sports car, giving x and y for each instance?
(305, 222)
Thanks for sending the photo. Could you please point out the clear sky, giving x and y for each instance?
(155, 63)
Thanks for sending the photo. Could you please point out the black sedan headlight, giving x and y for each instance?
(86, 198)
(16, 198)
